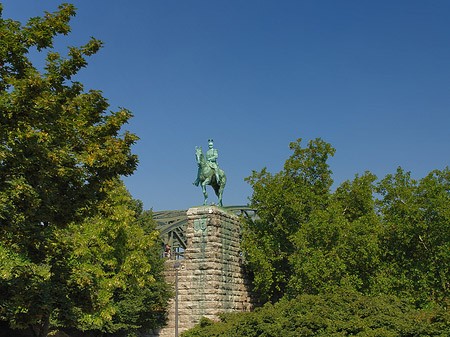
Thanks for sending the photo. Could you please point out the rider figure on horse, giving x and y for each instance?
(211, 157)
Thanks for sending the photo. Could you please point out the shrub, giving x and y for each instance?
(343, 313)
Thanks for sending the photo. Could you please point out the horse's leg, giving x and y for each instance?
(217, 192)
(216, 188)
(223, 181)
(197, 179)
(204, 183)
(219, 195)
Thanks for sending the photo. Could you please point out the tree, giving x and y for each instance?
(416, 236)
(143, 306)
(61, 152)
(339, 246)
(103, 274)
(305, 238)
(113, 277)
(284, 203)
(58, 144)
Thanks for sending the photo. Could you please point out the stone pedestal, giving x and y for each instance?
(210, 278)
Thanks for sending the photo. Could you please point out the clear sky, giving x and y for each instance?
(370, 77)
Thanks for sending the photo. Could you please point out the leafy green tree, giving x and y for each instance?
(307, 239)
(58, 144)
(339, 245)
(69, 254)
(284, 203)
(416, 236)
(143, 307)
(104, 274)
(118, 257)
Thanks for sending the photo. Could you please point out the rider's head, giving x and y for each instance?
(210, 143)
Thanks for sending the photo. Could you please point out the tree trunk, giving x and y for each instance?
(41, 329)
(45, 326)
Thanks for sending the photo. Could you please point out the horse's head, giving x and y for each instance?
(198, 154)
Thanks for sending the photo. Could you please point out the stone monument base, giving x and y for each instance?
(210, 278)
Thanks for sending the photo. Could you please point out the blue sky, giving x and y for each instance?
(370, 77)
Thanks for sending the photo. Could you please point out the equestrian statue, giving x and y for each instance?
(209, 173)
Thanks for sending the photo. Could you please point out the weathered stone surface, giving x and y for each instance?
(210, 278)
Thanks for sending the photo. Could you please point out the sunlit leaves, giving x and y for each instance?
(285, 202)
(90, 272)
(345, 313)
(61, 152)
(103, 255)
(61, 140)
(416, 222)
(389, 236)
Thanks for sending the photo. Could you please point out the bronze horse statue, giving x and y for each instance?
(207, 176)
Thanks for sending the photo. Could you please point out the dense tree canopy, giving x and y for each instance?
(103, 274)
(389, 236)
(307, 239)
(284, 202)
(75, 249)
(58, 144)
(415, 216)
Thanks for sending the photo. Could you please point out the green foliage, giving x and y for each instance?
(284, 202)
(58, 144)
(144, 306)
(103, 274)
(338, 246)
(306, 239)
(309, 240)
(75, 249)
(345, 313)
(416, 235)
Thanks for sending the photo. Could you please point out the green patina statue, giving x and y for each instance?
(209, 173)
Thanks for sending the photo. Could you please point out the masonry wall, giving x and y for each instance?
(210, 278)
